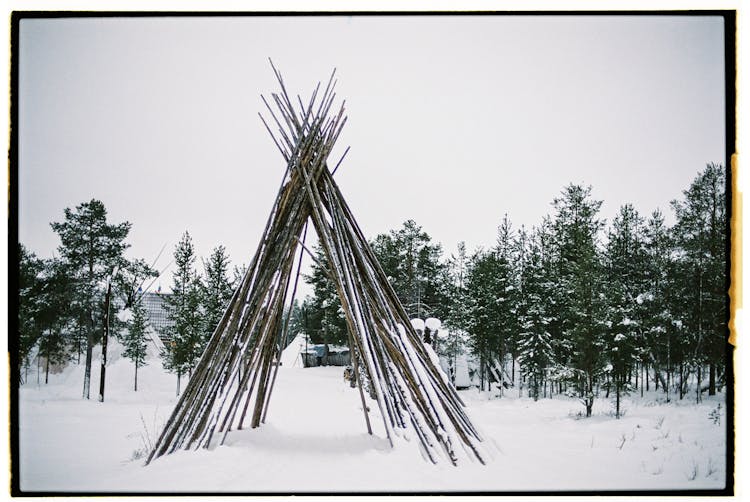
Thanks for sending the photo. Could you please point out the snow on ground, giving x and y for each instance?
(314, 440)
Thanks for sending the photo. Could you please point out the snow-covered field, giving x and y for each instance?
(314, 440)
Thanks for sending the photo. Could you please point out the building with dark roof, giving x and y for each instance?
(154, 304)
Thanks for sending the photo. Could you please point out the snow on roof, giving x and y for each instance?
(433, 323)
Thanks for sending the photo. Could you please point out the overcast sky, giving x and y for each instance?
(453, 121)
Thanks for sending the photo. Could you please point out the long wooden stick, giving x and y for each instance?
(238, 367)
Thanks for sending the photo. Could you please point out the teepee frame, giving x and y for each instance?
(239, 365)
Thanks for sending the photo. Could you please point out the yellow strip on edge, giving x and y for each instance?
(735, 272)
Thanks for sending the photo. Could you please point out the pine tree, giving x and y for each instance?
(700, 239)
(325, 320)
(55, 316)
(135, 339)
(187, 329)
(577, 228)
(30, 270)
(412, 263)
(238, 272)
(625, 269)
(485, 285)
(655, 300)
(507, 293)
(296, 322)
(536, 354)
(92, 250)
(130, 278)
(217, 289)
(453, 340)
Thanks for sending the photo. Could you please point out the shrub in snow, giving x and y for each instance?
(715, 414)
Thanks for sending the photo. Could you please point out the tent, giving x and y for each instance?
(232, 384)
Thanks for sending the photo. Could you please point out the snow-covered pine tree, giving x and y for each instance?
(700, 239)
(555, 300)
(452, 342)
(324, 316)
(490, 287)
(507, 302)
(655, 300)
(216, 289)
(625, 268)
(480, 286)
(135, 339)
(577, 229)
(183, 308)
(535, 352)
(412, 263)
(91, 249)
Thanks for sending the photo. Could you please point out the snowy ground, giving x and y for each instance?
(314, 440)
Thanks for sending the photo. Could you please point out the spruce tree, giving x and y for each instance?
(655, 300)
(507, 293)
(625, 270)
(325, 319)
(135, 339)
(183, 309)
(296, 322)
(452, 342)
(579, 270)
(486, 288)
(216, 290)
(535, 351)
(553, 298)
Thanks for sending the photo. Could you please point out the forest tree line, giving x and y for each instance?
(581, 307)
(65, 303)
(578, 306)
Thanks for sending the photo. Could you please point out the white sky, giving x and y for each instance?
(453, 121)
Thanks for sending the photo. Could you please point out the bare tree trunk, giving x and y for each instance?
(682, 380)
(617, 398)
(589, 394)
(105, 339)
(609, 385)
(87, 372)
(644, 381)
(698, 383)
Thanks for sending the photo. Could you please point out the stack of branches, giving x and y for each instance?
(239, 365)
